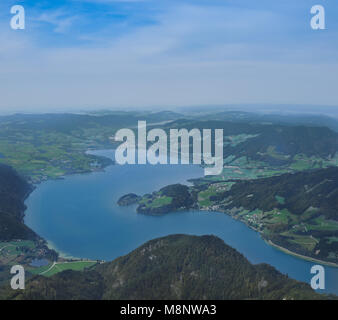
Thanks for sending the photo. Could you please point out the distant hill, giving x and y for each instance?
(68, 123)
(173, 267)
(49, 146)
(13, 191)
(277, 119)
(275, 144)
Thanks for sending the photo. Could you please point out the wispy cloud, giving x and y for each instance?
(167, 53)
(59, 19)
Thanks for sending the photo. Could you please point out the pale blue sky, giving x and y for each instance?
(77, 54)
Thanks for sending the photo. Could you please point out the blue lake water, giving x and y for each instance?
(80, 218)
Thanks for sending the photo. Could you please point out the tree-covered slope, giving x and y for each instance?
(173, 267)
(276, 119)
(13, 190)
(297, 211)
(301, 191)
(168, 199)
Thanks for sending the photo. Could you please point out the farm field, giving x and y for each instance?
(54, 268)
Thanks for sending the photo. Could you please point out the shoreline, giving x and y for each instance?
(269, 242)
(61, 254)
(284, 250)
(287, 251)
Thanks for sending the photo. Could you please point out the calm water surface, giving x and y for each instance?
(79, 217)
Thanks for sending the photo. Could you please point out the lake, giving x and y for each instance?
(79, 217)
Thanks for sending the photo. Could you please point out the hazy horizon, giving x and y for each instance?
(277, 109)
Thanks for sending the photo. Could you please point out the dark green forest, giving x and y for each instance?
(13, 191)
(173, 267)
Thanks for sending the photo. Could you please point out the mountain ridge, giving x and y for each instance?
(173, 267)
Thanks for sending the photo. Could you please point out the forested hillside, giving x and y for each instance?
(13, 190)
(298, 211)
(301, 191)
(173, 267)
